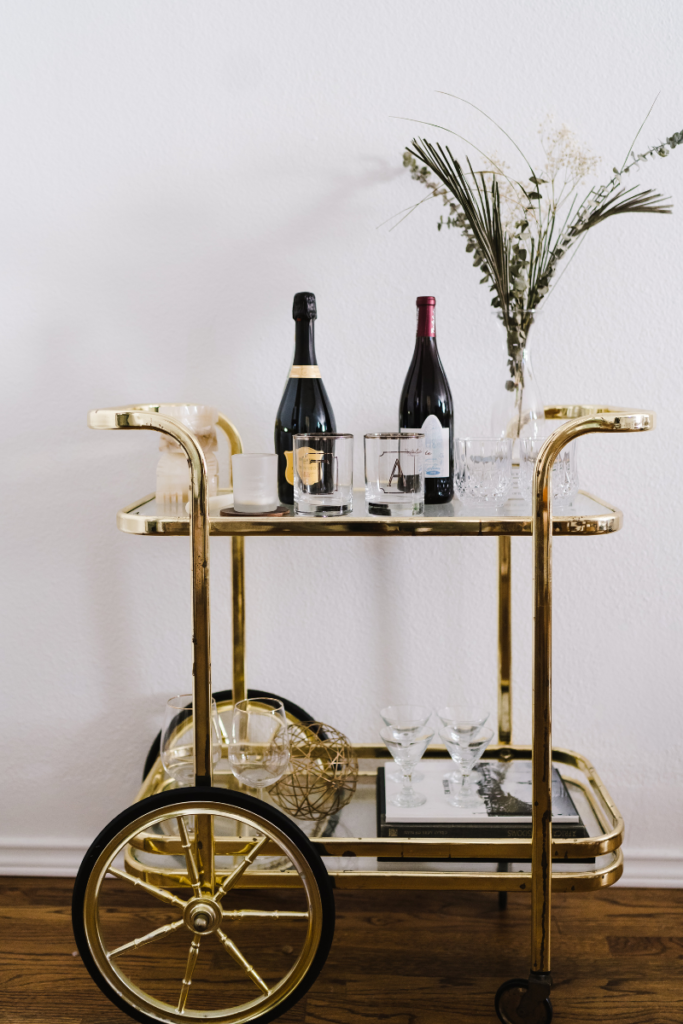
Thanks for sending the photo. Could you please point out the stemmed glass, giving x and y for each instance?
(406, 720)
(464, 719)
(259, 746)
(177, 738)
(406, 751)
(466, 751)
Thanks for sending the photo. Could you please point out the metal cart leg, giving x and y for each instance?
(239, 685)
(504, 641)
(504, 664)
(527, 1002)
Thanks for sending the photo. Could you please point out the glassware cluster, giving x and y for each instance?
(406, 734)
(258, 740)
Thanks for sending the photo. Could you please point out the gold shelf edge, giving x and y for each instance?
(610, 521)
(475, 881)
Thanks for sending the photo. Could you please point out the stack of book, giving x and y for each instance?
(502, 811)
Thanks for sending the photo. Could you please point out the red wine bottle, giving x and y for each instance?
(426, 404)
(305, 407)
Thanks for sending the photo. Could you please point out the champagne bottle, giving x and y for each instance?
(305, 407)
(426, 404)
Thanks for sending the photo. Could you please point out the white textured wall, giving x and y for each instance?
(171, 173)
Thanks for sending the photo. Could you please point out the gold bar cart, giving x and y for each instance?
(201, 850)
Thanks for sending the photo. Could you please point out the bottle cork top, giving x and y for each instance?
(304, 307)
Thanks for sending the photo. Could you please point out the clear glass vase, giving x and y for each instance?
(518, 406)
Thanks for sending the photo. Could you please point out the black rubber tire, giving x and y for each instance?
(508, 998)
(234, 799)
(290, 707)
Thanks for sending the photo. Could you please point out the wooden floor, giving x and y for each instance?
(416, 958)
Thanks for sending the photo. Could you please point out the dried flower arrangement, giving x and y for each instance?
(518, 231)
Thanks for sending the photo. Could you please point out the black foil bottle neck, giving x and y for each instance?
(304, 343)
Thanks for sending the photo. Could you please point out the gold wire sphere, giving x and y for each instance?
(323, 775)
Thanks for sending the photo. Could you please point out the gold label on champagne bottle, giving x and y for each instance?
(289, 468)
(304, 371)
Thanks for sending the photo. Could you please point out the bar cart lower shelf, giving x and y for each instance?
(199, 951)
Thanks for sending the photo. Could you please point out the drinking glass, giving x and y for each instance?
(406, 752)
(483, 471)
(177, 738)
(323, 474)
(259, 741)
(464, 719)
(564, 474)
(406, 720)
(466, 752)
(394, 473)
(254, 483)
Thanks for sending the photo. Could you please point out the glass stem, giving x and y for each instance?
(407, 782)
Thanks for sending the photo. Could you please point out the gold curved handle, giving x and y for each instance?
(147, 418)
(582, 419)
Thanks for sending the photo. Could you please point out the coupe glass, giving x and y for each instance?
(177, 739)
(259, 742)
(406, 752)
(406, 720)
(464, 719)
(466, 752)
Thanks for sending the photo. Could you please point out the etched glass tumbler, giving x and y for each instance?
(564, 474)
(483, 471)
(177, 739)
(259, 745)
(323, 474)
(394, 473)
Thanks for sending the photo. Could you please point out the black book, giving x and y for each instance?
(504, 811)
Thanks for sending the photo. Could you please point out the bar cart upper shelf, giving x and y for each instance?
(587, 516)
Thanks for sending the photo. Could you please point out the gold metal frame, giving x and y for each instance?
(542, 526)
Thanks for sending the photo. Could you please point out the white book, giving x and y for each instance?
(503, 789)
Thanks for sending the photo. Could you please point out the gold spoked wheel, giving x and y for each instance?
(203, 905)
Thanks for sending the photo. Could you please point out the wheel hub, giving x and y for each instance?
(202, 915)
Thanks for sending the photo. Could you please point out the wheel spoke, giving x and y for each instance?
(234, 952)
(158, 933)
(235, 875)
(189, 971)
(161, 894)
(285, 915)
(189, 856)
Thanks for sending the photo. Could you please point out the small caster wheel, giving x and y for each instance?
(294, 713)
(179, 916)
(508, 998)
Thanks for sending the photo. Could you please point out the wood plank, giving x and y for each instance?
(397, 958)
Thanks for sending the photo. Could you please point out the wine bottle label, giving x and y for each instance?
(437, 447)
(289, 468)
(304, 371)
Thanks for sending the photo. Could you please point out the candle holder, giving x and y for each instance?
(254, 483)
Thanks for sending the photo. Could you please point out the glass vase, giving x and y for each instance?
(518, 406)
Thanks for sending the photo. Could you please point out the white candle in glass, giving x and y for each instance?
(254, 483)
